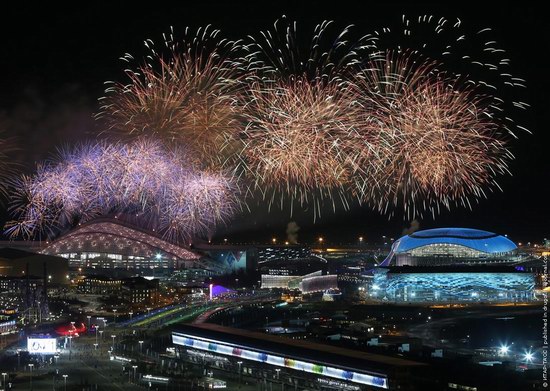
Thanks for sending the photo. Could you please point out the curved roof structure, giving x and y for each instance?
(108, 236)
(482, 241)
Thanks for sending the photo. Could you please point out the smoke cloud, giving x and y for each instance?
(292, 232)
(415, 226)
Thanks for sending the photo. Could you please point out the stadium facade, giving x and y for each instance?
(292, 364)
(309, 283)
(108, 244)
(451, 246)
(449, 284)
(448, 265)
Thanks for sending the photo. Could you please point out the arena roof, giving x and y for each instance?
(482, 241)
(116, 237)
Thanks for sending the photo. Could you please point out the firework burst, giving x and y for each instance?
(6, 163)
(472, 55)
(412, 118)
(184, 92)
(281, 54)
(300, 116)
(298, 136)
(141, 179)
(439, 143)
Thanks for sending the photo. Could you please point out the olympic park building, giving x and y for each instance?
(291, 364)
(112, 244)
(309, 283)
(451, 246)
(452, 265)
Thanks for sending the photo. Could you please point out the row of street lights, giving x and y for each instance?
(96, 344)
(65, 376)
(131, 313)
(113, 336)
(320, 240)
(31, 366)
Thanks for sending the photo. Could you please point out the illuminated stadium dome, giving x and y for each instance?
(113, 244)
(451, 246)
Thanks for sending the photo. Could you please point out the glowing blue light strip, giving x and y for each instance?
(318, 369)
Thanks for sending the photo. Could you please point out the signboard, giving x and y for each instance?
(42, 345)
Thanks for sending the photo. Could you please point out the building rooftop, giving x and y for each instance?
(460, 233)
(482, 241)
(117, 237)
(316, 352)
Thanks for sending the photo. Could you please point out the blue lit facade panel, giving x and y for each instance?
(452, 287)
(465, 233)
(496, 244)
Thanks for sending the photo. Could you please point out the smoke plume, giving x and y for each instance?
(292, 232)
(415, 226)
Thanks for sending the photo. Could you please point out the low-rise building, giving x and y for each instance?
(139, 290)
(100, 285)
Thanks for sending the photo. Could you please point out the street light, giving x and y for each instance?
(130, 313)
(113, 337)
(89, 317)
(65, 380)
(240, 373)
(4, 374)
(30, 366)
(503, 350)
(134, 367)
(114, 312)
(140, 346)
(528, 357)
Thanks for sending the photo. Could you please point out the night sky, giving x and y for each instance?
(54, 60)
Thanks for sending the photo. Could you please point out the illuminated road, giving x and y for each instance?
(137, 340)
(187, 312)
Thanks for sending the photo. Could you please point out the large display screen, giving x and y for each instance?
(42, 345)
(230, 260)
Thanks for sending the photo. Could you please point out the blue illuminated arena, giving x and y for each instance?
(452, 284)
(451, 246)
(449, 265)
